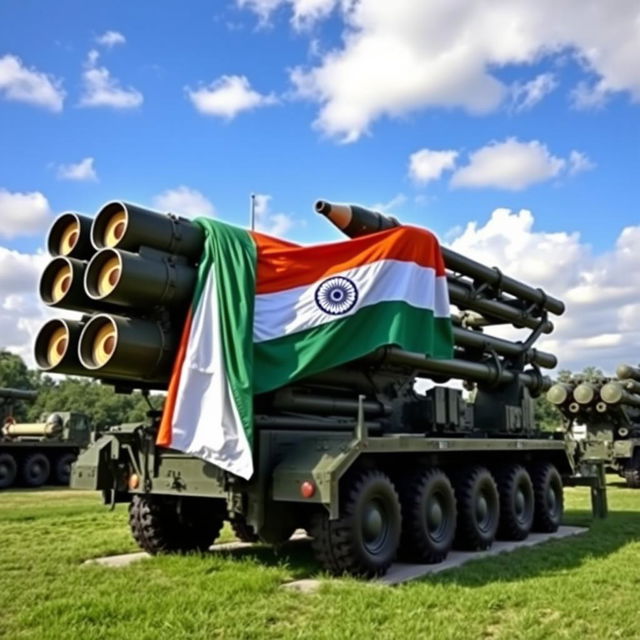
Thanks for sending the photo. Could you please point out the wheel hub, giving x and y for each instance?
(374, 526)
(482, 509)
(435, 515)
(520, 502)
(551, 500)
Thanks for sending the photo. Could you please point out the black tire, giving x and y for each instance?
(243, 531)
(632, 473)
(517, 503)
(428, 517)
(62, 468)
(364, 540)
(549, 499)
(8, 470)
(162, 524)
(478, 509)
(35, 470)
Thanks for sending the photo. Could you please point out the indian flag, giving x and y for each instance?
(267, 312)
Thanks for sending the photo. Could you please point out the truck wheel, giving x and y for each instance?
(8, 470)
(516, 503)
(632, 473)
(478, 509)
(363, 541)
(243, 531)
(549, 502)
(62, 468)
(35, 470)
(428, 517)
(163, 524)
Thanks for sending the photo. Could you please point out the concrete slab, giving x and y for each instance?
(402, 572)
(125, 559)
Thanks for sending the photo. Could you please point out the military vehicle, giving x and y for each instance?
(610, 410)
(33, 454)
(370, 467)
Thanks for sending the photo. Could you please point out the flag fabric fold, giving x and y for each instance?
(267, 312)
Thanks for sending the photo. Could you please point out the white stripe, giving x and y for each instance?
(292, 310)
(206, 422)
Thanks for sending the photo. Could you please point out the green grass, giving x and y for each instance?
(585, 587)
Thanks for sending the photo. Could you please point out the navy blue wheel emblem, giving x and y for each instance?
(336, 295)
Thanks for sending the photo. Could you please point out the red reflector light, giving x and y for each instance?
(307, 489)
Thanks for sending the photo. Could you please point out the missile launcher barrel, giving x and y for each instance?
(627, 371)
(560, 393)
(614, 393)
(359, 221)
(70, 236)
(116, 347)
(476, 340)
(482, 372)
(121, 225)
(133, 280)
(585, 393)
(56, 347)
(17, 394)
(32, 429)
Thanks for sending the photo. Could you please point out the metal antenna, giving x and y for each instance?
(253, 212)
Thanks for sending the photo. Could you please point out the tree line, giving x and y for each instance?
(100, 402)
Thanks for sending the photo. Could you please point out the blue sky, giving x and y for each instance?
(196, 105)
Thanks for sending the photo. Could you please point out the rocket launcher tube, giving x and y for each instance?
(70, 236)
(138, 281)
(560, 393)
(121, 225)
(614, 393)
(359, 221)
(627, 371)
(56, 347)
(17, 394)
(585, 393)
(126, 348)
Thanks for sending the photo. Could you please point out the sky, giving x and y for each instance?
(509, 128)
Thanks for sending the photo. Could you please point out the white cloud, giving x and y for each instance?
(426, 165)
(509, 165)
(100, 89)
(228, 96)
(398, 57)
(185, 202)
(587, 96)
(274, 224)
(82, 171)
(21, 312)
(111, 39)
(395, 204)
(579, 162)
(21, 84)
(23, 213)
(304, 12)
(527, 95)
(599, 326)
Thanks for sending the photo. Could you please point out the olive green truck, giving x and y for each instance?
(37, 453)
(376, 459)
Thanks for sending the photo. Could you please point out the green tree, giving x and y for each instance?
(14, 374)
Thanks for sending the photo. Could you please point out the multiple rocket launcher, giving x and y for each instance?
(131, 272)
(579, 397)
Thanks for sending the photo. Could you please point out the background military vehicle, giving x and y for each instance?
(32, 454)
(356, 456)
(610, 410)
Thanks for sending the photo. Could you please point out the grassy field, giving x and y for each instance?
(586, 587)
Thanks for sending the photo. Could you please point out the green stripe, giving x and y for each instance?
(236, 277)
(282, 360)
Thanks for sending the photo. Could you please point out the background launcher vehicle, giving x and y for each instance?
(42, 452)
(355, 455)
